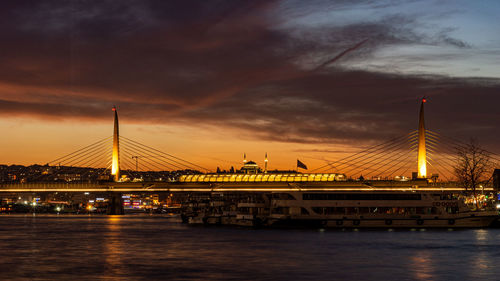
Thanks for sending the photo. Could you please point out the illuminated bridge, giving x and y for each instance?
(118, 164)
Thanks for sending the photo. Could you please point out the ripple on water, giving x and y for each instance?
(157, 248)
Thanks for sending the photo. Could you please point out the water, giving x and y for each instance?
(161, 248)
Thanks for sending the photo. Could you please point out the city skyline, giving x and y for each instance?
(210, 82)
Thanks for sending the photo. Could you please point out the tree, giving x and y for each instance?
(472, 166)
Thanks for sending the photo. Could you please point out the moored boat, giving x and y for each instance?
(379, 209)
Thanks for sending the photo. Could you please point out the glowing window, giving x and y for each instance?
(258, 178)
(245, 178)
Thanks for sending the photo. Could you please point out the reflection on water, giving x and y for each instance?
(160, 248)
(422, 265)
(114, 249)
(481, 256)
(481, 234)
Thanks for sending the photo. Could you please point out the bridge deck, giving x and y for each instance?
(420, 185)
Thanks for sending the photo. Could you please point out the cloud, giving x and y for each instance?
(227, 64)
(356, 106)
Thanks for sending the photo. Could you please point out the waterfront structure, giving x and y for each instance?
(252, 176)
(281, 197)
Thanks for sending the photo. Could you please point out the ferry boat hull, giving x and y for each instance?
(481, 221)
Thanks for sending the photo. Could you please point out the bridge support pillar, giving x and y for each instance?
(115, 205)
(496, 179)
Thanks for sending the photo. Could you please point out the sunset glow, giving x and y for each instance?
(209, 83)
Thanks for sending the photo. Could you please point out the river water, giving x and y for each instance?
(141, 247)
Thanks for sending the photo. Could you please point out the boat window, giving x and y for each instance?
(446, 197)
(360, 196)
(452, 210)
(281, 210)
(364, 210)
(329, 210)
(283, 196)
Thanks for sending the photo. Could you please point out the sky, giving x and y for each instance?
(211, 80)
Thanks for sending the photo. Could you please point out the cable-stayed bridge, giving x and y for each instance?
(397, 158)
(121, 164)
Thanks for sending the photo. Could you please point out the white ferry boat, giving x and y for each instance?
(378, 209)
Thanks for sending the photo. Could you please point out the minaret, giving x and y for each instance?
(115, 168)
(422, 158)
(265, 164)
(244, 158)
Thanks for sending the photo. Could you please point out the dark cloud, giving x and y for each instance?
(226, 64)
(358, 106)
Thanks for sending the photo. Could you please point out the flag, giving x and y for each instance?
(301, 165)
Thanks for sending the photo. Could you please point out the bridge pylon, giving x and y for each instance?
(115, 168)
(422, 153)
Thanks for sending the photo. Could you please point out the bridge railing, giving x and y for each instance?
(54, 185)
